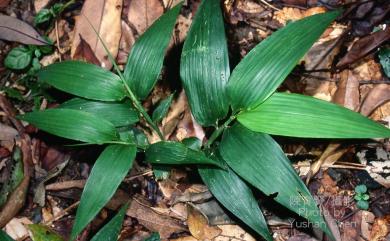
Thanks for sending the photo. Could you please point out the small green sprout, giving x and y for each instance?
(361, 197)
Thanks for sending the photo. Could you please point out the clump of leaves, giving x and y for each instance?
(361, 197)
(47, 15)
(26, 57)
(240, 105)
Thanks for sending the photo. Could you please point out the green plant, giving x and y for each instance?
(361, 197)
(26, 57)
(245, 157)
(46, 15)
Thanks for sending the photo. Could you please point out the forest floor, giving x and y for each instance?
(349, 65)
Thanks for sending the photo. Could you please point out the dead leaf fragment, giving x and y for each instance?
(105, 17)
(380, 228)
(84, 52)
(363, 46)
(13, 29)
(143, 13)
(377, 96)
(153, 221)
(199, 225)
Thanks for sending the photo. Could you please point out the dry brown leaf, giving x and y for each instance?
(164, 225)
(126, 42)
(363, 46)
(328, 186)
(377, 96)
(4, 3)
(84, 52)
(39, 4)
(7, 133)
(380, 229)
(13, 29)
(198, 225)
(347, 93)
(233, 233)
(287, 14)
(16, 228)
(105, 17)
(143, 13)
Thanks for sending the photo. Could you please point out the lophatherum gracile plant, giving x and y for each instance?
(240, 104)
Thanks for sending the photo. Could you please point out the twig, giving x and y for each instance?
(62, 213)
(58, 39)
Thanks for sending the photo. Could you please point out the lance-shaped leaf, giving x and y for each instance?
(73, 124)
(111, 230)
(147, 55)
(204, 67)
(176, 153)
(265, 67)
(162, 109)
(106, 175)
(259, 160)
(236, 196)
(304, 116)
(5, 237)
(119, 114)
(84, 80)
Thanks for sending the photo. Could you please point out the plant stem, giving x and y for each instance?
(131, 95)
(219, 131)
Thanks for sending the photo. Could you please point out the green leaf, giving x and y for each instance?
(73, 124)
(42, 233)
(304, 116)
(192, 143)
(43, 16)
(5, 237)
(204, 67)
(265, 67)
(236, 196)
(84, 80)
(15, 177)
(259, 160)
(18, 58)
(364, 205)
(147, 55)
(365, 196)
(154, 237)
(162, 109)
(361, 188)
(119, 114)
(106, 175)
(384, 59)
(111, 230)
(176, 153)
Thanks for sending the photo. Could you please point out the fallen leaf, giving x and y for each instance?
(16, 228)
(7, 133)
(39, 4)
(4, 3)
(105, 17)
(377, 96)
(164, 225)
(233, 233)
(363, 46)
(348, 93)
(84, 52)
(143, 13)
(380, 228)
(199, 226)
(13, 29)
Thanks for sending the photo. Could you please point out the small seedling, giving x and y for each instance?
(47, 15)
(361, 197)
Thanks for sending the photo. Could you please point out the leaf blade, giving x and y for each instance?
(174, 153)
(264, 68)
(84, 80)
(259, 160)
(304, 116)
(100, 186)
(204, 66)
(236, 196)
(111, 230)
(73, 124)
(147, 55)
(119, 114)
(162, 109)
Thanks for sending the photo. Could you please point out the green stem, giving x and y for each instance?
(219, 131)
(131, 95)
